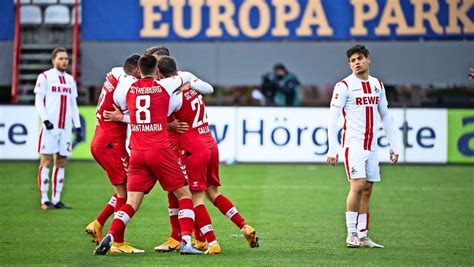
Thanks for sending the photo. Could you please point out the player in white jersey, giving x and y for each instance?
(359, 96)
(56, 103)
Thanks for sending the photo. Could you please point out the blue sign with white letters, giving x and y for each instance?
(246, 20)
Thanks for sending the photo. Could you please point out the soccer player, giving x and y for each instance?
(56, 103)
(202, 166)
(357, 96)
(108, 149)
(151, 158)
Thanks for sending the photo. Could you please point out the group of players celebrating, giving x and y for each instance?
(170, 142)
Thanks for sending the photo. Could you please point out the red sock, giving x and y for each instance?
(173, 209)
(108, 210)
(117, 229)
(120, 202)
(227, 208)
(186, 216)
(203, 220)
(197, 232)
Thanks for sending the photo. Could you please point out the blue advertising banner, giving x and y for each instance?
(277, 19)
(7, 20)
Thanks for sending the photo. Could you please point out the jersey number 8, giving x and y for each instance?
(143, 109)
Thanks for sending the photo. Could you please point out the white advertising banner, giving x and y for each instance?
(300, 134)
(19, 128)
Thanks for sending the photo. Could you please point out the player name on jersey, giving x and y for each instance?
(145, 90)
(151, 127)
(203, 130)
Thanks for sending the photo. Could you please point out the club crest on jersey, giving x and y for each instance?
(377, 89)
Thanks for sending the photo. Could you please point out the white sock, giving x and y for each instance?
(43, 183)
(362, 225)
(58, 183)
(187, 239)
(351, 221)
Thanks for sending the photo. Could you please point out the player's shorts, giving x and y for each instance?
(114, 160)
(362, 164)
(148, 166)
(202, 167)
(55, 141)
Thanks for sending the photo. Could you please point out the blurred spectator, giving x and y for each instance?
(280, 88)
(471, 73)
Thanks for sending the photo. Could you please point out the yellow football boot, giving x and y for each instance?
(251, 236)
(213, 248)
(124, 247)
(94, 229)
(169, 245)
(200, 245)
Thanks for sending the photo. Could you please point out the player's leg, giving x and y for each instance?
(373, 175)
(355, 164)
(204, 224)
(58, 181)
(174, 241)
(65, 148)
(115, 236)
(227, 208)
(115, 165)
(47, 147)
(186, 219)
(44, 181)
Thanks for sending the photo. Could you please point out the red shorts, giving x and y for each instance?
(202, 167)
(114, 160)
(148, 166)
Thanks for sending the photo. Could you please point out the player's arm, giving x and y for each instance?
(75, 114)
(171, 84)
(338, 101)
(41, 88)
(200, 85)
(120, 112)
(176, 101)
(388, 126)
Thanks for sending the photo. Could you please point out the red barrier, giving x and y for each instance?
(16, 54)
(75, 40)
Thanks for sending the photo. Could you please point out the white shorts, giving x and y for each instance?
(55, 141)
(361, 164)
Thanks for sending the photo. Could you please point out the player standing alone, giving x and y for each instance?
(359, 96)
(56, 103)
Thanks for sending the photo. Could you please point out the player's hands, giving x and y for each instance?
(115, 115)
(184, 87)
(332, 160)
(49, 125)
(393, 157)
(178, 126)
(79, 136)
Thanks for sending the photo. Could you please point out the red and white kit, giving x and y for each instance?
(56, 101)
(151, 156)
(108, 144)
(202, 154)
(360, 101)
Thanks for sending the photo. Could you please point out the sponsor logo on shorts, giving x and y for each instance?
(353, 171)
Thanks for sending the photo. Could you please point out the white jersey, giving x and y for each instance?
(360, 102)
(56, 99)
(124, 83)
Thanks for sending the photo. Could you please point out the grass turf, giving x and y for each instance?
(422, 214)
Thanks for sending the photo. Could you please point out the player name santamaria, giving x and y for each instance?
(155, 127)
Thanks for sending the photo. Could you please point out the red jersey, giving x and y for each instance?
(193, 112)
(108, 131)
(148, 103)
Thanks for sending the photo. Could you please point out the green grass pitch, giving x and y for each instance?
(423, 215)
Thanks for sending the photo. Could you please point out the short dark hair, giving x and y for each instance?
(131, 63)
(157, 50)
(56, 51)
(358, 49)
(147, 65)
(167, 66)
